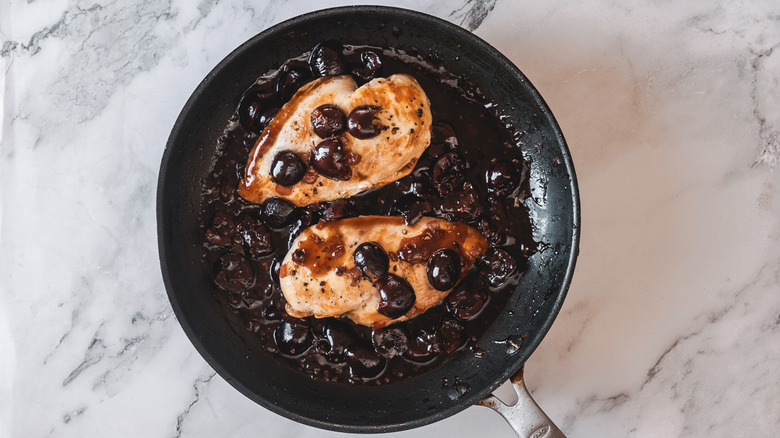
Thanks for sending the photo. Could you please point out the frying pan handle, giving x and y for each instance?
(525, 416)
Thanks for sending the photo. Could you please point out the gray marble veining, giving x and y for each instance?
(672, 114)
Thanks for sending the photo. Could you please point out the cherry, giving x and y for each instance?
(370, 62)
(444, 268)
(287, 168)
(276, 212)
(466, 302)
(497, 266)
(326, 59)
(293, 338)
(235, 273)
(371, 259)
(291, 78)
(396, 296)
(328, 121)
(335, 338)
(444, 133)
(423, 347)
(256, 237)
(222, 230)
(452, 335)
(362, 122)
(390, 341)
(329, 160)
(449, 173)
(463, 204)
(364, 363)
(503, 177)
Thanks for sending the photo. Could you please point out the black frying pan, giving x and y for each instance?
(420, 399)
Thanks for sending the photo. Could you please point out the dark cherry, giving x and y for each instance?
(497, 266)
(256, 237)
(503, 177)
(303, 218)
(390, 341)
(411, 207)
(335, 337)
(326, 59)
(362, 122)
(339, 209)
(449, 173)
(291, 78)
(273, 270)
(292, 338)
(274, 311)
(451, 335)
(444, 268)
(444, 133)
(370, 62)
(463, 204)
(436, 150)
(235, 273)
(466, 302)
(396, 296)
(443, 140)
(496, 222)
(371, 259)
(252, 107)
(222, 230)
(364, 363)
(328, 121)
(422, 347)
(492, 231)
(277, 212)
(422, 185)
(265, 118)
(287, 168)
(316, 211)
(329, 160)
(248, 112)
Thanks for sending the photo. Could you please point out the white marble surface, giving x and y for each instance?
(672, 114)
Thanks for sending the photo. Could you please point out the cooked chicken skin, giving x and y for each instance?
(405, 116)
(322, 279)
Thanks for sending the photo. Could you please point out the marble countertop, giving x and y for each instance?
(672, 114)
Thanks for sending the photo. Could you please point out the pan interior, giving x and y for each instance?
(420, 399)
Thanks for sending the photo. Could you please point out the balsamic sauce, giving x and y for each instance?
(244, 243)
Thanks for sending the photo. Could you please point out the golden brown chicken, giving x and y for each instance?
(376, 270)
(334, 139)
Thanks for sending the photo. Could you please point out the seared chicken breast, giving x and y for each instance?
(396, 108)
(319, 275)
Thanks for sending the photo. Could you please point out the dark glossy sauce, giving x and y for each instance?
(322, 255)
(243, 251)
(418, 249)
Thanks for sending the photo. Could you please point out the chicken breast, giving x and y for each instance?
(319, 277)
(404, 116)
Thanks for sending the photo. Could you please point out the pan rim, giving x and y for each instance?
(473, 396)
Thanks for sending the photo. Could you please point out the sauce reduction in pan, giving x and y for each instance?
(472, 172)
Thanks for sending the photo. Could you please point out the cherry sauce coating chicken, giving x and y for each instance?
(472, 172)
